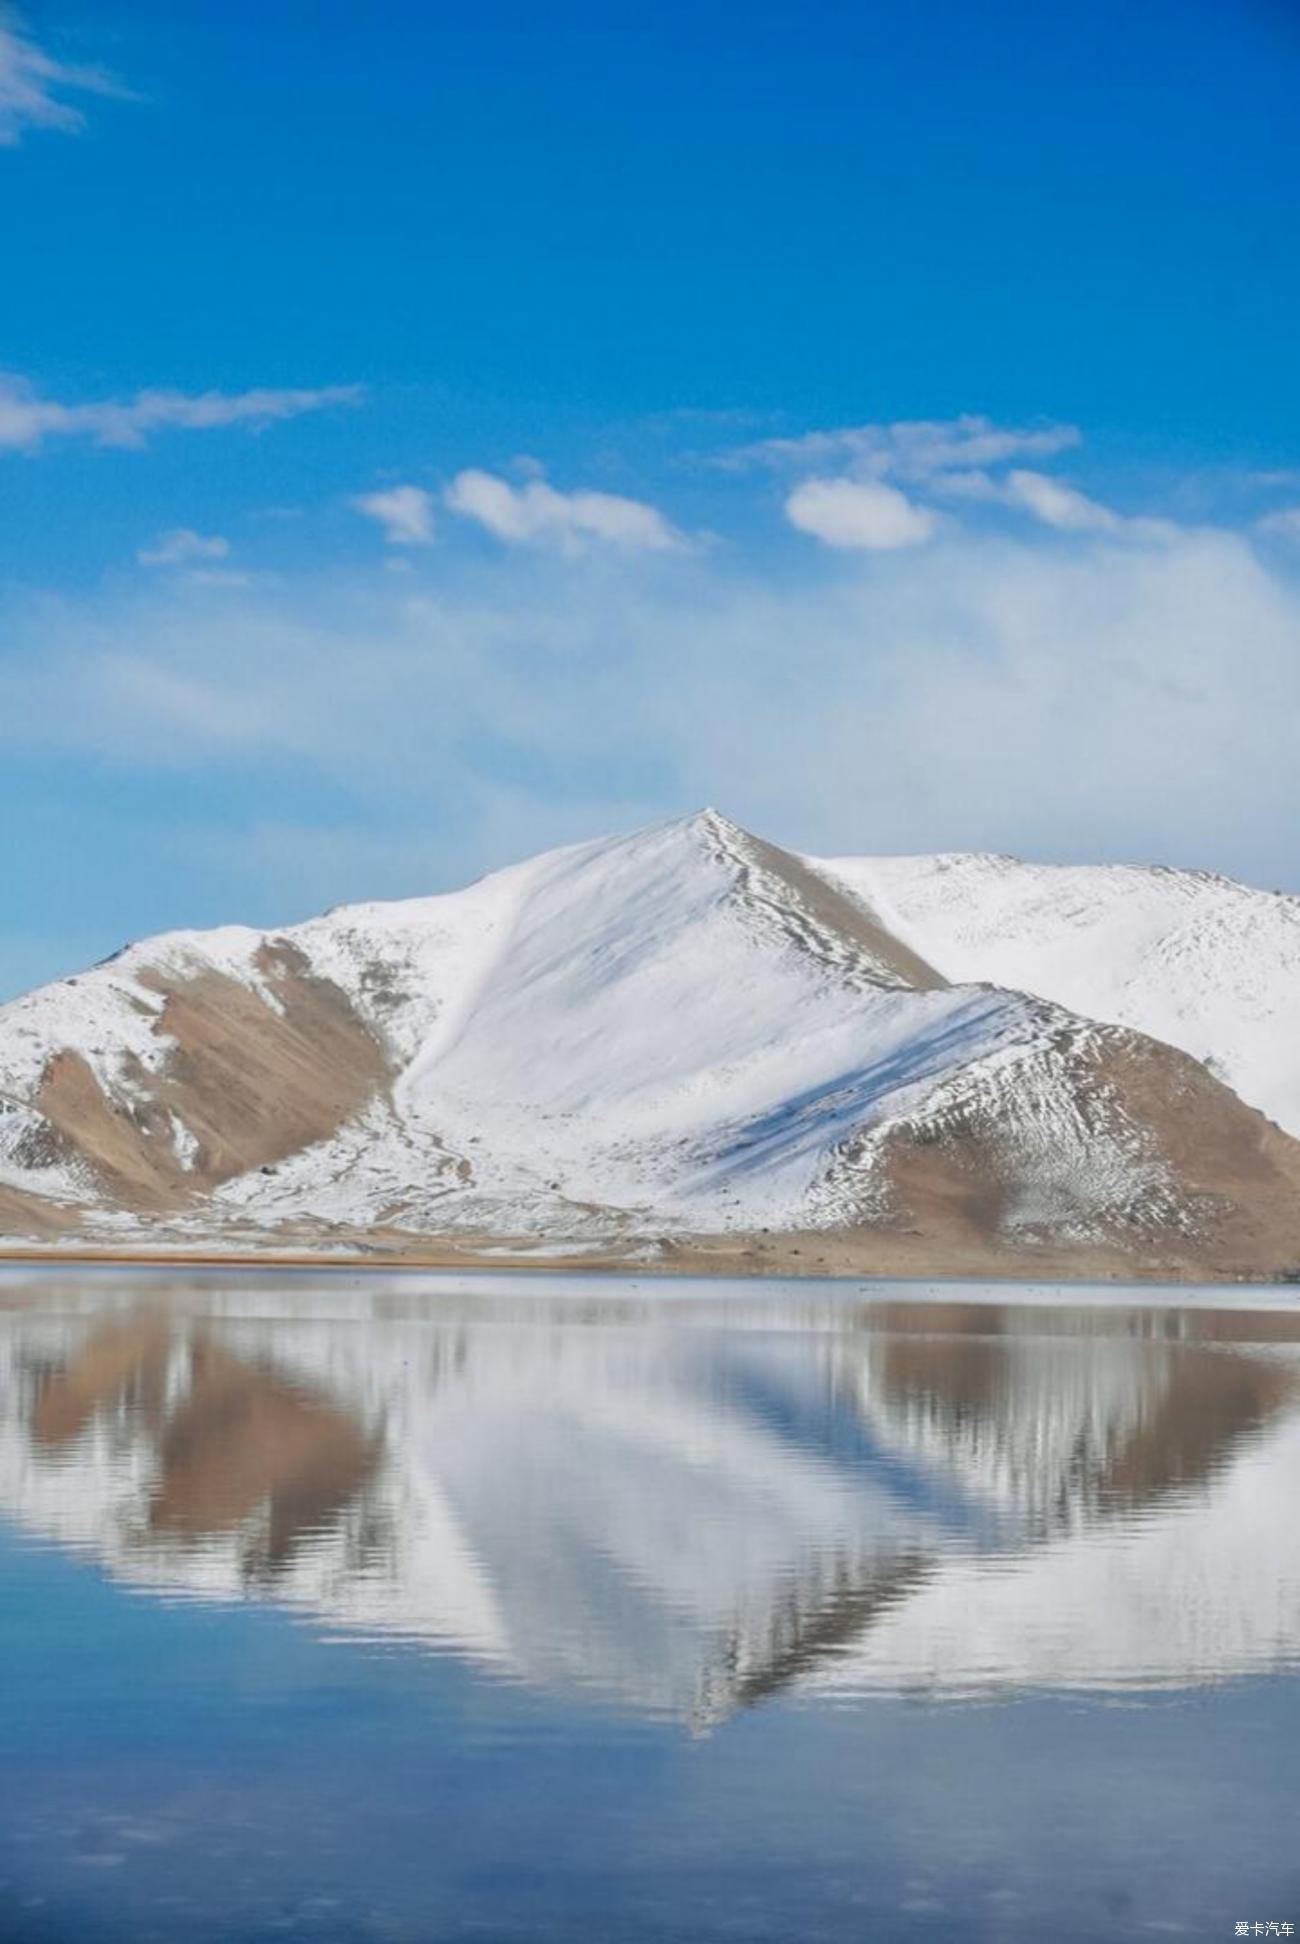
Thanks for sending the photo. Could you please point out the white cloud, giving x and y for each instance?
(1058, 505)
(858, 513)
(1109, 699)
(1052, 502)
(1285, 523)
(536, 514)
(964, 458)
(181, 546)
(910, 449)
(27, 420)
(404, 512)
(972, 483)
(33, 87)
(1067, 682)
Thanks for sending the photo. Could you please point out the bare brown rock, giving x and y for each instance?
(252, 1081)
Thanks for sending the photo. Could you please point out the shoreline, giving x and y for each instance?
(696, 1262)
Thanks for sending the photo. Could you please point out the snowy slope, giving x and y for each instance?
(648, 1021)
(644, 1022)
(681, 1031)
(1207, 965)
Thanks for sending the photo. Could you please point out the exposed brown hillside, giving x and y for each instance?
(252, 1079)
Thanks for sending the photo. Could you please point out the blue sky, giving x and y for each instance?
(432, 433)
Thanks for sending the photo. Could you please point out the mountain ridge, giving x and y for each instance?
(634, 1044)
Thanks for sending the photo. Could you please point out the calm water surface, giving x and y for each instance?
(368, 1608)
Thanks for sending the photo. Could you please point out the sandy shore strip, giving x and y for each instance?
(795, 1256)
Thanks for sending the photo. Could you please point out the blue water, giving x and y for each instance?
(187, 1756)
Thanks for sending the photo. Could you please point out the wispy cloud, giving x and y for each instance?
(182, 546)
(965, 695)
(1051, 502)
(404, 512)
(870, 499)
(908, 449)
(1285, 523)
(536, 514)
(1057, 505)
(598, 669)
(27, 419)
(864, 514)
(34, 88)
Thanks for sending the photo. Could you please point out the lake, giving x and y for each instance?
(394, 1607)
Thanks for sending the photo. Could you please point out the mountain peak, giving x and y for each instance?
(710, 822)
(682, 1031)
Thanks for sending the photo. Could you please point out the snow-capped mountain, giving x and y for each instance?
(685, 1037)
(1210, 966)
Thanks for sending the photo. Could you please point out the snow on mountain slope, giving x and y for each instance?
(1207, 965)
(609, 1023)
(684, 1031)
(664, 996)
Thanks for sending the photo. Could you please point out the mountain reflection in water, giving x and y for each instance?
(686, 1508)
